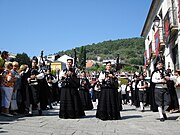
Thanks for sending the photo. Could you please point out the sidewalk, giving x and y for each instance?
(133, 123)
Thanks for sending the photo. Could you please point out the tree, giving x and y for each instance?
(96, 68)
(129, 69)
(82, 58)
(130, 50)
(57, 56)
(23, 59)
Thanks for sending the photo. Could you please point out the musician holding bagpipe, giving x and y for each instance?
(84, 92)
(34, 75)
(70, 105)
(161, 93)
(108, 105)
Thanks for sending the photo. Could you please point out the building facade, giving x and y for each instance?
(162, 36)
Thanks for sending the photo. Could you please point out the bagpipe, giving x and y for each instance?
(42, 65)
(84, 83)
(34, 71)
(111, 80)
(69, 73)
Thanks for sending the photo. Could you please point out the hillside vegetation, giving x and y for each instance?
(130, 50)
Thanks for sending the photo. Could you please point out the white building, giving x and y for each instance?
(63, 60)
(113, 61)
(12, 56)
(51, 57)
(161, 33)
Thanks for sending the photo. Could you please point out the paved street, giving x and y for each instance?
(133, 123)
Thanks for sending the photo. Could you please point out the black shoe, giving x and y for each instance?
(63, 117)
(40, 112)
(51, 107)
(142, 110)
(164, 115)
(162, 119)
(29, 114)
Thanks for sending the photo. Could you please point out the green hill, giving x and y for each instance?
(130, 50)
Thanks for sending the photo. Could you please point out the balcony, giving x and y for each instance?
(170, 24)
(173, 20)
(161, 39)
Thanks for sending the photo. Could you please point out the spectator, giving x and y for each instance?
(7, 85)
(3, 57)
(16, 85)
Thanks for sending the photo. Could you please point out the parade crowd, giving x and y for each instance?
(25, 89)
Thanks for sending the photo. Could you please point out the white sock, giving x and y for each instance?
(94, 105)
(141, 105)
(30, 109)
(160, 112)
(38, 105)
(164, 110)
(130, 102)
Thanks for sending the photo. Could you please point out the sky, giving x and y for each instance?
(30, 26)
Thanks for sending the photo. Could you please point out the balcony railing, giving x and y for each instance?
(173, 19)
(170, 22)
(161, 35)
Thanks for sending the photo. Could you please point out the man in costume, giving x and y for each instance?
(162, 97)
(34, 75)
(70, 103)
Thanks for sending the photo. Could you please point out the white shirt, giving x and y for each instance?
(123, 89)
(156, 78)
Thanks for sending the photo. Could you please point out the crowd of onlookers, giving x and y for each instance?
(15, 93)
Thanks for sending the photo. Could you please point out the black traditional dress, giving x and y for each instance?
(96, 90)
(135, 93)
(70, 103)
(174, 105)
(23, 91)
(153, 106)
(35, 89)
(108, 106)
(84, 94)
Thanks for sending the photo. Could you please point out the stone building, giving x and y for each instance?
(162, 36)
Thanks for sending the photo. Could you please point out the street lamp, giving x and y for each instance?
(156, 21)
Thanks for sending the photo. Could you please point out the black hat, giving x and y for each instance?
(4, 53)
(160, 59)
(35, 59)
(108, 62)
(83, 71)
(70, 59)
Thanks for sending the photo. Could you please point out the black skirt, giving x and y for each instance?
(70, 104)
(108, 106)
(85, 99)
(34, 94)
(95, 95)
(162, 97)
(173, 96)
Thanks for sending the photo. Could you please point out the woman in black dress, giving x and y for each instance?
(84, 92)
(108, 106)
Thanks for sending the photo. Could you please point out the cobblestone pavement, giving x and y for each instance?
(133, 122)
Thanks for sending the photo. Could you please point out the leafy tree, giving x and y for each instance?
(97, 67)
(136, 61)
(123, 81)
(23, 59)
(82, 58)
(129, 69)
(130, 50)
